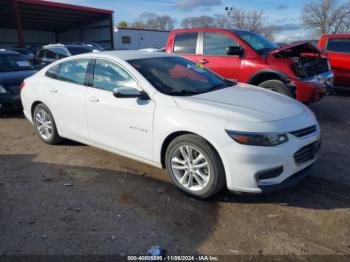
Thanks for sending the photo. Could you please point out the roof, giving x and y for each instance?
(128, 54)
(337, 36)
(141, 29)
(47, 15)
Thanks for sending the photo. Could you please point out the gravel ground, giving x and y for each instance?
(75, 199)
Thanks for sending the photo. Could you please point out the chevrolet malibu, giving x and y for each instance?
(207, 132)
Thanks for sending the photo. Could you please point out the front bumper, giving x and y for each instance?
(10, 102)
(313, 89)
(245, 164)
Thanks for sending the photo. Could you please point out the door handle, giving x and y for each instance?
(204, 61)
(53, 90)
(93, 99)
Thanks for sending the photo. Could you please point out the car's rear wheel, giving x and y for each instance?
(277, 86)
(45, 125)
(195, 166)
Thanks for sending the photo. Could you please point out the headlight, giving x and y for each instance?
(3, 90)
(258, 139)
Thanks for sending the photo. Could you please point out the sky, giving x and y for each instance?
(283, 13)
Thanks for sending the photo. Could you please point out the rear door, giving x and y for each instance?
(186, 44)
(338, 51)
(65, 94)
(214, 49)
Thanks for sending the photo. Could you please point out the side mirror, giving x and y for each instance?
(129, 92)
(234, 50)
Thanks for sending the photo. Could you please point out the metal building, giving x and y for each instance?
(134, 38)
(38, 22)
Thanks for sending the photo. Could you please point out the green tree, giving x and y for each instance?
(123, 24)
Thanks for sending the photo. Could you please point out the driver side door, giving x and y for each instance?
(122, 125)
(214, 57)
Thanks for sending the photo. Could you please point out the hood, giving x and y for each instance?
(242, 103)
(296, 49)
(15, 77)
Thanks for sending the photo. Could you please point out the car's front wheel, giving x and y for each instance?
(277, 86)
(195, 166)
(45, 125)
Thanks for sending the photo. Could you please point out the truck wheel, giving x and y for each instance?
(45, 125)
(277, 86)
(195, 166)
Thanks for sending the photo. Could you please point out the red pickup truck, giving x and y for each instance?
(300, 70)
(337, 48)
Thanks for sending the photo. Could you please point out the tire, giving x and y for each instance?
(193, 183)
(42, 118)
(277, 86)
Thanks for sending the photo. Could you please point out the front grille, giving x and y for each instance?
(306, 153)
(305, 131)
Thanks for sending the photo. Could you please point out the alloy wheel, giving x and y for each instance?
(43, 124)
(190, 168)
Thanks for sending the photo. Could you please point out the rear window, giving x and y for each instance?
(76, 50)
(186, 43)
(14, 62)
(339, 45)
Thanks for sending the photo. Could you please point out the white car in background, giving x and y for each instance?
(167, 111)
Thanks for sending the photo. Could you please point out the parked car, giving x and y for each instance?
(90, 44)
(14, 68)
(27, 53)
(298, 71)
(167, 111)
(51, 53)
(337, 48)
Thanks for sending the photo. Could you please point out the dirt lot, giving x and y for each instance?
(75, 199)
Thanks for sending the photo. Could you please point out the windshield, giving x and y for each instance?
(14, 62)
(76, 50)
(257, 41)
(178, 76)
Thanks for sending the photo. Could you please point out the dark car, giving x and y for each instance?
(14, 68)
(90, 44)
(51, 53)
(27, 53)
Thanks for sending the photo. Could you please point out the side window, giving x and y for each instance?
(50, 54)
(108, 76)
(185, 43)
(339, 45)
(61, 52)
(74, 71)
(41, 53)
(53, 72)
(217, 44)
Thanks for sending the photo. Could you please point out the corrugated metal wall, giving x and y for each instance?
(139, 39)
(8, 37)
(97, 32)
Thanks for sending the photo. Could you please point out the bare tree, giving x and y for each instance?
(326, 16)
(255, 21)
(154, 22)
(198, 22)
(238, 18)
(220, 21)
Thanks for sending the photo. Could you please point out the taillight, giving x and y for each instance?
(21, 86)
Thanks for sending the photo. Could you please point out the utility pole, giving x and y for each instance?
(228, 12)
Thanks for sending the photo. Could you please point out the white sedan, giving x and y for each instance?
(207, 132)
